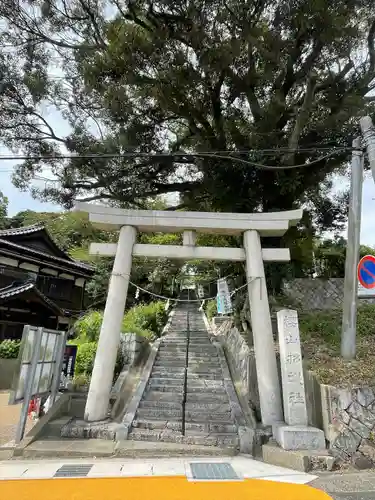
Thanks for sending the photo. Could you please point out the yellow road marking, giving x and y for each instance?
(157, 488)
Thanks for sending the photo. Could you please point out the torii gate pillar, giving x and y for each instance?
(109, 339)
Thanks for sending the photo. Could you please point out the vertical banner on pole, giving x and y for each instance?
(224, 303)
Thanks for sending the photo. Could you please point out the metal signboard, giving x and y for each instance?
(69, 362)
(224, 303)
(365, 292)
(39, 370)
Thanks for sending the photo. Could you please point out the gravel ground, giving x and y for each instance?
(9, 416)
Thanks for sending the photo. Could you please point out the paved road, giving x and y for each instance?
(348, 485)
(369, 495)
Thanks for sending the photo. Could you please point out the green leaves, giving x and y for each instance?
(9, 349)
(197, 76)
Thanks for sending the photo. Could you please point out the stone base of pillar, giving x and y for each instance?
(299, 437)
(80, 429)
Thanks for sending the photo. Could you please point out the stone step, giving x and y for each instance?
(171, 357)
(172, 348)
(202, 354)
(220, 440)
(159, 371)
(173, 425)
(159, 413)
(168, 353)
(208, 407)
(152, 395)
(168, 363)
(199, 360)
(207, 349)
(203, 365)
(171, 338)
(209, 391)
(174, 338)
(210, 361)
(197, 397)
(172, 382)
(162, 387)
(168, 436)
(209, 427)
(215, 439)
(200, 342)
(200, 370)
(160, 405)
(204, 376)
(207, 384)
(180, 332)
(199, 416)
(162, 378)
(174, 343)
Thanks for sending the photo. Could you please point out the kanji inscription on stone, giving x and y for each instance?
(295, 412)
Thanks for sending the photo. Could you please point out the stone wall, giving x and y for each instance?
(240, 359)
(347, 416)
(349, 423)
(318, 293)
(7, 370)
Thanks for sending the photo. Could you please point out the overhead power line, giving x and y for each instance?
(185, 156)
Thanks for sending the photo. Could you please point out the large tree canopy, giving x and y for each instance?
(187, 76)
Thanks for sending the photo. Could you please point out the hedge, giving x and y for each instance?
(9, 349)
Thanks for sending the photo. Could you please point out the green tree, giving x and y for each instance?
(70, 230)
(145, 76)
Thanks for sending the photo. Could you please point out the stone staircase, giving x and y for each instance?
(185, 400)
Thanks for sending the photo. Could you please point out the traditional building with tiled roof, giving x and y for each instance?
(40, 284)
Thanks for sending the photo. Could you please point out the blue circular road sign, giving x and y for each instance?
(366, 271)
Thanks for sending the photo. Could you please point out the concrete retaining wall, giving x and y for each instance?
(318, 293)
(131, 346)
(7, 370)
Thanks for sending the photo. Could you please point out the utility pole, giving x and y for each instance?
(349, 315)
(368, 133)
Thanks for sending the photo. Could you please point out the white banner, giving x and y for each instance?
(224, 303)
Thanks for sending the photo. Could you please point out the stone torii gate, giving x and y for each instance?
(128, 222)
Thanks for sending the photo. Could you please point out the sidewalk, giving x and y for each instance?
(242, 466)
(9, 417)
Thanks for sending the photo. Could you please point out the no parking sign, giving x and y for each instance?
(366, 272)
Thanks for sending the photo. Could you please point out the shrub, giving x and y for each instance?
(9, 349)
(211, 309)
(87, 328)
(86, 357)
(147, 320)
